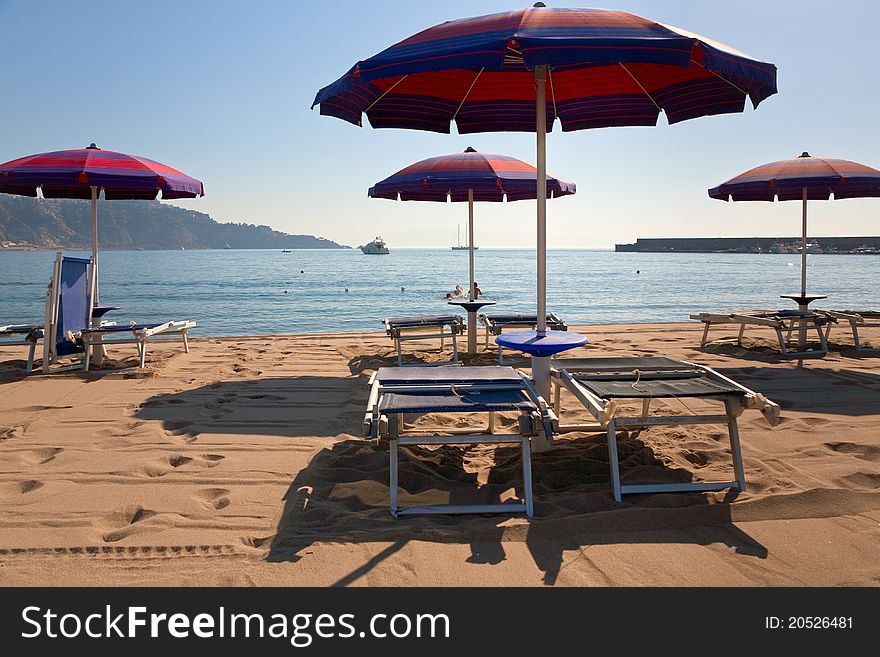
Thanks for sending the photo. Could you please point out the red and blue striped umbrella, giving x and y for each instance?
(521, 70)
(469, 176)
(83, 173)
(605, 68)
(801, 179)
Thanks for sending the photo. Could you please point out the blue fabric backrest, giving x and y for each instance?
(73, 306)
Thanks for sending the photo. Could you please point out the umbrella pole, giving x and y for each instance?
(472, 313)
(95, 242)
(98, 348)
(804, 249)
(541, 365)
(802, 333)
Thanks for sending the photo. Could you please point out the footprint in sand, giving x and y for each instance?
(12, 432)
(16, 488)
(864, 452)
(213, 498)
(41, 456)
(123, 522)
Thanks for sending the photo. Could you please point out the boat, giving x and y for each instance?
(812, 247)
(376, 247)
(227, 246)
(286, 251)
(458, 246)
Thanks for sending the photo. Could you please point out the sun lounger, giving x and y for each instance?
(855, 319)
(395, 392)
(402, 329)
(496, 323)
(22, 334)
(782, 321)
(69, 329)
(603, 385)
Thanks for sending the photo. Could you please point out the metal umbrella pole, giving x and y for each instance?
(472, 312)
(98, 350)
(802, 332)
(541, 364)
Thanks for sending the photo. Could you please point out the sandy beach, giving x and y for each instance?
(241, 464)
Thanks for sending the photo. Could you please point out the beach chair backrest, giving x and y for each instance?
(73, 304)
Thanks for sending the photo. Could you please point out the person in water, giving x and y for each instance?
(477, 291)
(459, 291)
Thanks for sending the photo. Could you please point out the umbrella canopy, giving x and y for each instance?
(450, 177)
(596, 67)
(607, 68)
(73, 174)
(82, 173)
(801, 179)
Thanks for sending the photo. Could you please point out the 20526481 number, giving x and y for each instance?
(819, 622)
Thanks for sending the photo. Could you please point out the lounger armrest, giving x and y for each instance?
(169, 327)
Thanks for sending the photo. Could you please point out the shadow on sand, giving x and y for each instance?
(342, 494)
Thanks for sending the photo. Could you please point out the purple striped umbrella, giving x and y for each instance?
(83, 173)
(494, 73)
(468, 176)
(801, 178)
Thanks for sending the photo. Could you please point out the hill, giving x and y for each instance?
(66, 224)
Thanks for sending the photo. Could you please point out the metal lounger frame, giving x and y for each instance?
(140, 336)
(855, 320)
(493, 327)
(396, 333)
(787, 325)
(378, 426)
(28, 338)
(605, 412)
(94, 336)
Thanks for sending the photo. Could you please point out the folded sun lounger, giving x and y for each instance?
(855, 319)
(395, 392)
(69, 329)
(782, 321)
(496, 323)
(602, 385)
(402, 329)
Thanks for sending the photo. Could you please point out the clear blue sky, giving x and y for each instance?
(221, 90)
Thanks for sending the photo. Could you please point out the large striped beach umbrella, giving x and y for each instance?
(524, 69)
(801, 179)
(84, 173)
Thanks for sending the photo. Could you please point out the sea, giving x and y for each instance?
(253, 292)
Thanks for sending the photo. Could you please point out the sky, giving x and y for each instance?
(222, 91)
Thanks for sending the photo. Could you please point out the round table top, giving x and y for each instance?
(552, 342)
(100, 310)
(803, 300)
(471, 306)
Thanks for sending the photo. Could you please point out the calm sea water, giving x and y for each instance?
(249, 292)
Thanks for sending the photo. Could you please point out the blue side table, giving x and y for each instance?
(540, 348)
(472, 308)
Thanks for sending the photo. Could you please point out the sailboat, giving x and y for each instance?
(458, 246)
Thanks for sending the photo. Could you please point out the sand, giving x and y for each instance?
(241, 464)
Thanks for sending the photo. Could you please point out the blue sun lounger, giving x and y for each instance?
(69, 329)
(402, 329)
(605, 385)
(495, 324)
(395, 392)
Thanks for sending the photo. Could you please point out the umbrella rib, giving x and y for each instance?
(464, 98)
(552, 93)
(651, 98)
(385, 93)
(742, 91)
